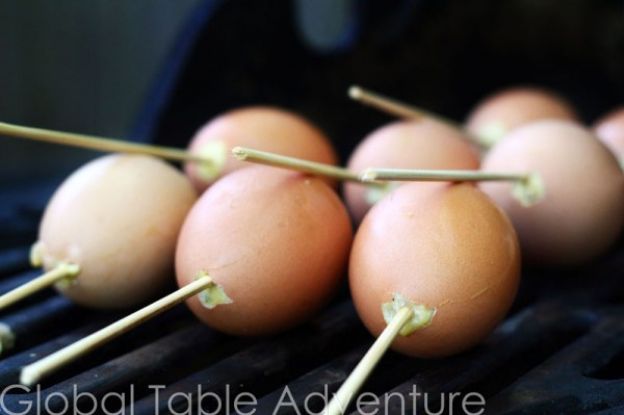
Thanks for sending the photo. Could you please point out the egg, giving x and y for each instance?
(275, 242)
(505, 110)
(422, 144)
(610, 130)
(445, 250)
(118, 218)
(262, 128)
(580, 214)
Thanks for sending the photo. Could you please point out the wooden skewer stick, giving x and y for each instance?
(99, 143)
(339, 403)
(60, 272)
(402, 110)
(34, 372)
(439, 175)
(306, 166)
(387, 104)
(528, 188)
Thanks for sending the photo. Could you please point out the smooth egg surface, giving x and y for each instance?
(580, 215)
(610, 130)
(447, 247)
(118, 218)
(277, 242)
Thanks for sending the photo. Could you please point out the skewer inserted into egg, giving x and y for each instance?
(276, 241)
(562, 189)
(422, 144)
(434, 268)
(265, 128)
(580, 215)
(265, 248)
(526, 187)
(208, 155)
(409, 112)
(498, 114)
(108, 234)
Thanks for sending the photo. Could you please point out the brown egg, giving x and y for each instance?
(442, 246)
(580, 214)
(610, 130)
(118, 218)
(262, 128)
(277, 243)
(505, 110)
(422, 144)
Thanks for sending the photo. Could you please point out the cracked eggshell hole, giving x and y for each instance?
(118, 218)
(261, 128)
(580, 215)
(421, 144)
(505, 110)
(610, 130)
(276, 241)
(443, 246)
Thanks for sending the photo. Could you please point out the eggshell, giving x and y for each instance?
(444, 246)
(422, 144)
(501, 112)
(610, 130)
(118, 218)
(277, 242)
(262, 128)
(580, 215)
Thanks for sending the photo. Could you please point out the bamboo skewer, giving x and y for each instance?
(305, 166)
(34, 372)
(99, 143)
(339, 403)
(387, 104)
(60, 272)
(440, 175)
(403, 110)
(528, 188)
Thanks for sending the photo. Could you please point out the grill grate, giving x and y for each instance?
(561, 351)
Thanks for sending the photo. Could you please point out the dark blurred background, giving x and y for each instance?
(83, 66)
(156, 70)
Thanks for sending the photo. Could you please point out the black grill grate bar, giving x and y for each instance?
(533, 334)
(560, 338)
(152, 330)
(265, 365)
(157, 359)
(331, 375)
(567, 374)
(10, 367)
(325, 380)
(32, 325)
(13, 260)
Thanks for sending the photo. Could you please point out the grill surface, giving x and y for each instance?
(560, 351)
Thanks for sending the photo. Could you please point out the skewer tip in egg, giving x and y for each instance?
(445, 250)
(275, 242)
(505, 110)
(117, 218)
(580, 214)
(264, 128)
(420, 144)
